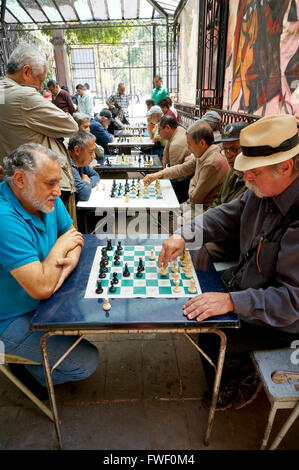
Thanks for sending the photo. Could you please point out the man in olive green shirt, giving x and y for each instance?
(233, 186)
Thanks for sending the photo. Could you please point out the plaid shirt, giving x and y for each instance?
(122, 101)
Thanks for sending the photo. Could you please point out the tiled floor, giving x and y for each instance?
(146, 394)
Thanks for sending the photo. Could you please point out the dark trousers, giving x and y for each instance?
(240, 342)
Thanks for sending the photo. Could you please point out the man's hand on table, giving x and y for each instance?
(208, 305)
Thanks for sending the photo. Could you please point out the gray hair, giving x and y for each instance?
(201, 130)
(81, 139)
(27, 54)
(275, 168)
(27, 158)
(80, 118)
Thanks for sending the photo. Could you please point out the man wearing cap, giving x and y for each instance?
(153, 117)
(232, 187)
(264, 286)
(214, 119)
(98, 127)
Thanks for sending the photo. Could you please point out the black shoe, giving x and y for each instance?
(20, 371)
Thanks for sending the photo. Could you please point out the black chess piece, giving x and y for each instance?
(104, 261)
(99, 288)
(115, 279)
(116, 262)
(102, 274)
(109, 245)
(119, 247)
(112, 288)
(139, 273)
(140, 265)
(126, 272)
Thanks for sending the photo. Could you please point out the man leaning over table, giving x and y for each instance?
(39, 248)
(263, 289)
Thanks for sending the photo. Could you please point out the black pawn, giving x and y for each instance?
(99, 288)
(102, 275)
(140, 265)
(115, 280)
(139, 273)
(112, 288)
(116, 261)
(109, 245)
(119, 247)
(126, 272)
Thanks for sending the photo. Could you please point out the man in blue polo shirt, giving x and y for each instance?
(39, 248)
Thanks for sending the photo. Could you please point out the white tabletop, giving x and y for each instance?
(133, 142)
(100, 198)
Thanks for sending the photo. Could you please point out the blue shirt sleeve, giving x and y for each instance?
(92, 174)
(102, 136)
(64, 221)
(83, 188)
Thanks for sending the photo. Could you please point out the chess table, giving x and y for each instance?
(69, 312)
(131, 142)
(127, 163)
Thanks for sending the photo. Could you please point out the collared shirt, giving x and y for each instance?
(177, 147)
(123, 101)
(85, 104)
(232, 187)
(270, 278)
(25, 239)
(209, 172)
(83, 187)
(159, 93)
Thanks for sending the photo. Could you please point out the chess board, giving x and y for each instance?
(146, 192)
(130, 160)
(152, 284)
(135, 141)
(101, 196)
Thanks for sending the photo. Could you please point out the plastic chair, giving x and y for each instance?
(12, 359)
(279, 373)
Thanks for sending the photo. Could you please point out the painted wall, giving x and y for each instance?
(188, 52)
(262, 65)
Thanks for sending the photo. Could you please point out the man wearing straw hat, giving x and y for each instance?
(264, 286)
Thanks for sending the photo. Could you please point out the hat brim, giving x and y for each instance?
(230, 139)
(243, 163)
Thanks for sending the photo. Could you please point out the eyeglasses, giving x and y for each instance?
(231, 150)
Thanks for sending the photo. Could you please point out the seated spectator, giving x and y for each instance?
(115, 122)
(172, 108)
(214, 119)
(176, 148)
(99, 126)
(233, 187)
(149, 104)
(61, 98)
(83, 122)
(164, 105)
(39, 249)
(207, 165)
(81, 149)
(153, 117)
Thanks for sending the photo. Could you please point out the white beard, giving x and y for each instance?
(253, 187)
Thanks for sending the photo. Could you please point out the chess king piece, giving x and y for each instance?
(106, 305)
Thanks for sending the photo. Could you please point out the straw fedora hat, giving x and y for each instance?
(270, 140)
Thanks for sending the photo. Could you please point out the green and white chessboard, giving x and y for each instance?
(152, 284)
(150, 193)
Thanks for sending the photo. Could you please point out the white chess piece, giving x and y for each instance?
(177, 287)
(192, 288)
(152, 255)
(106, 305)
(163, 271)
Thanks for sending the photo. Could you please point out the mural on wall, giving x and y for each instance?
(262, 67)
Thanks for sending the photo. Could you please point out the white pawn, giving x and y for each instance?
(192, 288)
(177, 287)
(106, 305)
(163, 271)
(188, 273)
(174, 267)
(152, 255)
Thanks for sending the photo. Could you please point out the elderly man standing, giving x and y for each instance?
(82, 151)
(264, 286)
(207, 165)
(61, 98)
(85, 103)
(122, 99)
(39, 248)
(27, 117)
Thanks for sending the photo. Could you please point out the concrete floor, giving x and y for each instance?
(146, 394)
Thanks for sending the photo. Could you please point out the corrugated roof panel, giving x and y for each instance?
(67, 10)
(114, 9)
(83, 10)
(50, 10)
(99, 9)
(130, 9)
(19, 12)
(34, 11)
